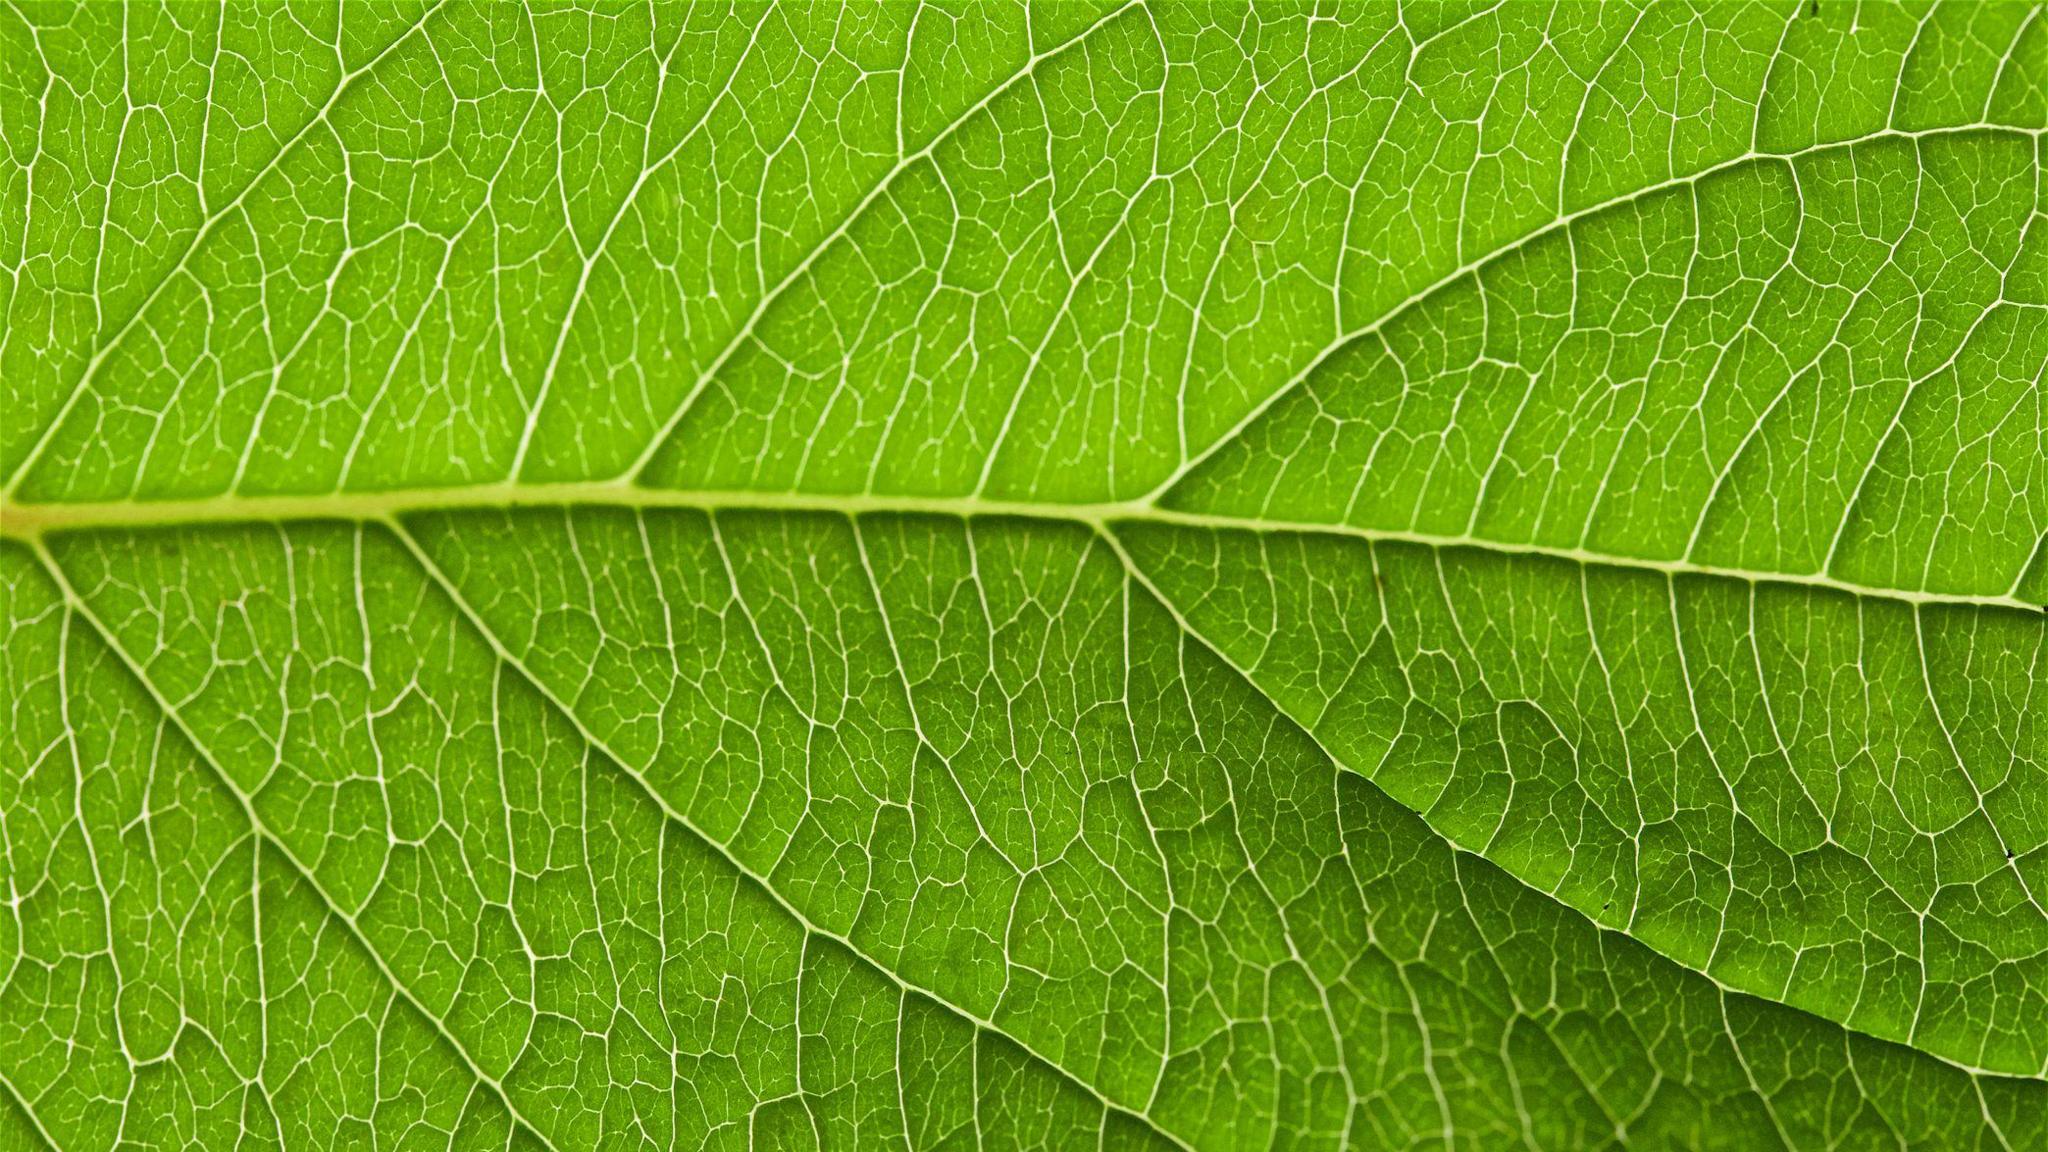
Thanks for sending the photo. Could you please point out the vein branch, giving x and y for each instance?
(78, 606)
(682, 819)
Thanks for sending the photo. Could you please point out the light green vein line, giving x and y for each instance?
(1137, 574)
(76, 603)
(170, 275)
(740, 336)
(447, 586)
(28, 1114)
(1470, 267)
(32, 521)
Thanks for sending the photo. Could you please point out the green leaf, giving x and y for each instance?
(949, 575)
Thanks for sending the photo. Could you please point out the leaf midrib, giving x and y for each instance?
(30, 522)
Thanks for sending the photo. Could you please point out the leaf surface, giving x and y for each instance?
(930, 576)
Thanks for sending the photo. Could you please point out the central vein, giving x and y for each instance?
(27, 522)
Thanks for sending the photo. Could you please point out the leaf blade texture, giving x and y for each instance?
(1128, 576)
